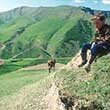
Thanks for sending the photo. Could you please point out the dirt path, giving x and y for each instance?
(52, 99)
(42, 66)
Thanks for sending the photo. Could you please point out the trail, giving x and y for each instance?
(52, 99)
(42, 66)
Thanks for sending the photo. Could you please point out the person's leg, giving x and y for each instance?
(106, 48)
(53, 67)
(49, 68)
(100, 50)
(95, 51)
(85, 47)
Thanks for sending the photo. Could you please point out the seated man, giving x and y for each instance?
(100, 44)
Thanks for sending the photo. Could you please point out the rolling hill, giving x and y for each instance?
(45, 31)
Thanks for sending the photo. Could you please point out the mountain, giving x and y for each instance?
(45, 31)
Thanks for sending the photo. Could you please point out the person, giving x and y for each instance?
(51, 64)
(99, 45)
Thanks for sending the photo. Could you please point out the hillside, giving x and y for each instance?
(85, 91)
(69, 87)
(27, 87)
(39, 32)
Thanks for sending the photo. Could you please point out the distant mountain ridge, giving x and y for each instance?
(58, 31)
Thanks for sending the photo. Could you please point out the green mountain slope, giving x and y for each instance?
(39, 32)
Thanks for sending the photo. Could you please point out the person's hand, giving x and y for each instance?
(98, 38)
(107, 37)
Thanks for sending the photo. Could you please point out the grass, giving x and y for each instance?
(14, 81)
(49, 28)
(24, 90)
(88, 87)
(7, 30)
(15, 64)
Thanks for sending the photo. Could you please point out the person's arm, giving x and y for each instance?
(107, 35)
(97, 38)
(107, 38)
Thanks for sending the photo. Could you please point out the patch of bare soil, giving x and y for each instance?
(52, 99)
(76, 61)
(42, 66)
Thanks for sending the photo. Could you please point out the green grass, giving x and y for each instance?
(25, 87)
(11, 83)
(7, 30)
(12, 79)
(15, 64)
(91, 87)
(54, 29)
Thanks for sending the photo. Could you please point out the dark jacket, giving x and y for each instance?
(103, 34)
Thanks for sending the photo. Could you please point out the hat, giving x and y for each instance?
(98, 16)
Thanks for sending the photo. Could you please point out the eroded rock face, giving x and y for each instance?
(75, 103)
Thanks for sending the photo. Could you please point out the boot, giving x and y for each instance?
(88, 67)
(83, 63)
(84, 60)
